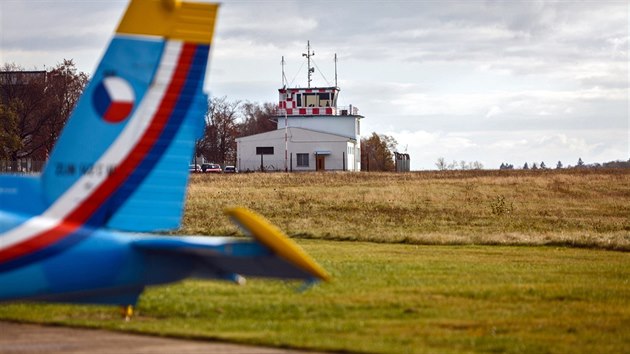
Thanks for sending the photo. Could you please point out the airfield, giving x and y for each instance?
(454, 261)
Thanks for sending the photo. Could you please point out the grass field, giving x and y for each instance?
(427, 281)
(583, 208)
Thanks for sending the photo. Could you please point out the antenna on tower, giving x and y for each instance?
(284, 78)
(308, 56)
(336, 70)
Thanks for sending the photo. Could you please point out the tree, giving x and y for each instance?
(40, 102)
(617, 164)
(441, 164)
(377, 153)
(9, 133)
(559, 165)
(65, 86)
(219, 140)
(543, 166)
(580, 163)
(257, 118)
(525, 166)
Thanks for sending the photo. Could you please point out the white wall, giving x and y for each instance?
(347, 126)
(299, 141)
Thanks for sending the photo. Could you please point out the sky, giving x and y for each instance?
(488, 81)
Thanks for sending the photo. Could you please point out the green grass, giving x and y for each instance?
(389, 298)
(428, 281)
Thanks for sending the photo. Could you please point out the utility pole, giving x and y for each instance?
(308, 56)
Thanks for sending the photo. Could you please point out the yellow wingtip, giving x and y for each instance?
(171, 4)
(272, 237)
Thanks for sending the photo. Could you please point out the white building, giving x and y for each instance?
(306, 150)
(313, 135)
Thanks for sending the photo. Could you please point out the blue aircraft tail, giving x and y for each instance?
(120, 166)
(121, 161)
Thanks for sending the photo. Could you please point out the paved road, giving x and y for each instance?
(33, 339)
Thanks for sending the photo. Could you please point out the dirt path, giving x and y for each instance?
(16, 338)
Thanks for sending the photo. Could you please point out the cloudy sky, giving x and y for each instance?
(488, 81)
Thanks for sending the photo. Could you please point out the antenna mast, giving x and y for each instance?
(308, 56)
(336, 70)
(284, 78)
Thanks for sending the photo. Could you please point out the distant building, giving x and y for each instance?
(12, 81)
(403, 162)
(313, 134)
(15, 78)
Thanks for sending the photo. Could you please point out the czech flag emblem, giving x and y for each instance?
(113, 99)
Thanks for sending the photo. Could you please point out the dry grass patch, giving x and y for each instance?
(581, 208)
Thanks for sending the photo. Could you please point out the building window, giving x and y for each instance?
(312, 99)
(302, 160)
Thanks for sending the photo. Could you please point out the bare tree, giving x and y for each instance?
(441, 164)
(219, 140)
(257, 118)
(64, 88)
(476, 165)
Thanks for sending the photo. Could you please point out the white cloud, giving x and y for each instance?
(494, 111)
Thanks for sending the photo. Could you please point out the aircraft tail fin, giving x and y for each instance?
(122, 159)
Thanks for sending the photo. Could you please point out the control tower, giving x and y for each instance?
(313, 133)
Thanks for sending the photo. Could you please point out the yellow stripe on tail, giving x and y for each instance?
(270, 236)
(171, 19)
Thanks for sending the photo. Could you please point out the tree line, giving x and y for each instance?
(559, 165)
(443, 165)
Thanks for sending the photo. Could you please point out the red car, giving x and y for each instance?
(211, 168)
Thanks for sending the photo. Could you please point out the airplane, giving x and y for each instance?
(86, 229)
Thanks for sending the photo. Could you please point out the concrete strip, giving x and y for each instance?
(17, 338)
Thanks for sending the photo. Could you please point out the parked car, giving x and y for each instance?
(194, 168)
(211, 168)
(230, 169)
